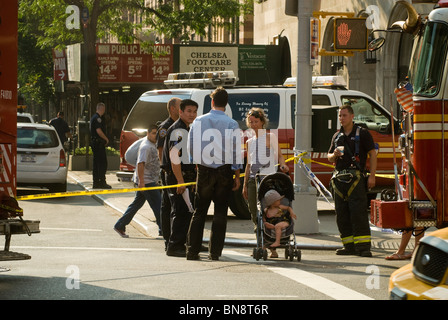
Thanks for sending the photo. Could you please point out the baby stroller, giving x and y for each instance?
(283, 185)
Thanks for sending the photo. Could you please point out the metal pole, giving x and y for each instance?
(305, 204)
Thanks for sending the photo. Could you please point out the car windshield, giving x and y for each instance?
(33, 138)
(427, 64)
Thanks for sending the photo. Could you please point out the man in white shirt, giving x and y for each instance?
(214, 143)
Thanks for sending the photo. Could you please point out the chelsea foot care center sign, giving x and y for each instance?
(208, 59)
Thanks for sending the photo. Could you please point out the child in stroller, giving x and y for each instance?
(276, 216)
(276, 187)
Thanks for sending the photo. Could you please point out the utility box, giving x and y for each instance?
(391, 214)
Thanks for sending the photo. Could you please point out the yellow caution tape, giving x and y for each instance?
(94, 192)
(125, 190)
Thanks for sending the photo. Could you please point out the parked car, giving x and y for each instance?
(24, 117)
(426, 278)
(41, 160)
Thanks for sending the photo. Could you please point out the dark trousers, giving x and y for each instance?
(99, 162)
(351, 214)
(165, 210)
(179, 217)
(212, 185)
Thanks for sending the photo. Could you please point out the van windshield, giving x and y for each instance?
(149, 109)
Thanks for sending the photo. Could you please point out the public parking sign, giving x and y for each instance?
(60, 65)
(131, 63)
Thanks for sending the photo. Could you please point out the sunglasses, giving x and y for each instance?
(255, 113)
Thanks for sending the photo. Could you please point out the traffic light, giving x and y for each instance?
(350, 34)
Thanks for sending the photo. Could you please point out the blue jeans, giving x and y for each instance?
(154, 199)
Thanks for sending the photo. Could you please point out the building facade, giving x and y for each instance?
(376, 74)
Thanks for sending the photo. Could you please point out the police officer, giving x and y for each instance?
(98, 141)
(178, 171)
(173, 110)
(348, 150)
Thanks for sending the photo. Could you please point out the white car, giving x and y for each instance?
(24, 117)
(41, 160)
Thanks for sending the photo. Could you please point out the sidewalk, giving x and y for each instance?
(239, 232)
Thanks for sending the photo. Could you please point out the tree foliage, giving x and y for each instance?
(46, 22)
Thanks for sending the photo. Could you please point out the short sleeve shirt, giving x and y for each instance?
(162, 130)
(175, 134)
(96, 122)
(148, 154)
(61, 128)
(366, 144)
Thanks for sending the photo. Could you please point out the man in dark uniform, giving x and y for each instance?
(349, 149)
(98, 141)
(61, 127)
(165, 210)
(178, 170)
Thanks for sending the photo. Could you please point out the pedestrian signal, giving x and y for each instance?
(350, 34)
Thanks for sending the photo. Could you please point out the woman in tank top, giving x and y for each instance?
(263, 156)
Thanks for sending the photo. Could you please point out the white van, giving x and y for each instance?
(278, 103)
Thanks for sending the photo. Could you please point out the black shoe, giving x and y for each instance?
(365, 253)
(192, 256)
(213, 257)
(105, 186)
(346, 252)
(121, 233)
(176, 253)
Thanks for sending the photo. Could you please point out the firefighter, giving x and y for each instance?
(348, 150)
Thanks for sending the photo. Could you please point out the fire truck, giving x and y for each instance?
(421, 197)
(11, 221)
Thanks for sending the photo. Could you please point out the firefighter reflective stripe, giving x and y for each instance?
(347, 240)
(362, 239)
(7, 169)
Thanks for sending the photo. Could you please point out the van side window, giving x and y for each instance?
(320, 100)
(317, 100)
(367, 114)
(241, 103)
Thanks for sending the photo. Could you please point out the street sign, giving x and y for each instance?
(60, 65)
(314, 37)
(132, 63)
(350, 34)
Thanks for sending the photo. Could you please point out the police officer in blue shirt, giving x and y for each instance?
(218, 173)
(98, 141)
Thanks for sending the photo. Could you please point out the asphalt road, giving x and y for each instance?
(78, 256)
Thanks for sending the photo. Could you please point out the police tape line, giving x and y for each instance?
(126, 190)
(94, 192)
(306, 160)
